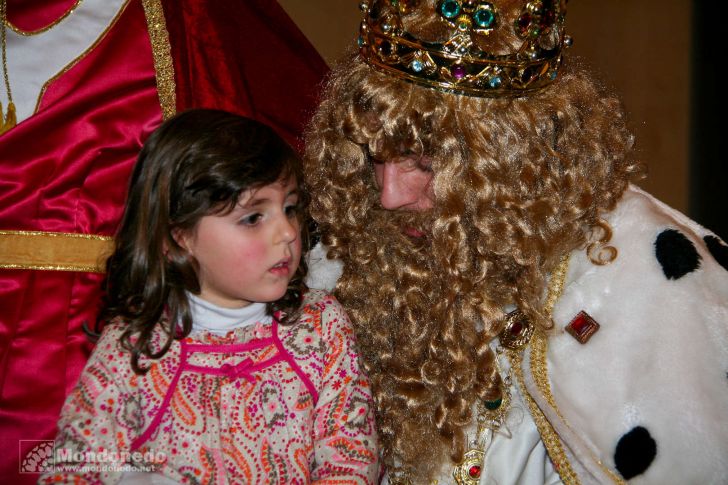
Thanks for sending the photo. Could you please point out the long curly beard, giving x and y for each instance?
(423, 344)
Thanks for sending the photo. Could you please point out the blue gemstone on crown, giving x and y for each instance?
(450, 9)
(495, 82)
(417, 65)
(484, 18)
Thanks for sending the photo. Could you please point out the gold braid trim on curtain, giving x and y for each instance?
(57, 251)
(162, 52)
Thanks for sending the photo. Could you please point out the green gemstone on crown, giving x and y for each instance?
(450, 9)
(484, 18)
(493, 405)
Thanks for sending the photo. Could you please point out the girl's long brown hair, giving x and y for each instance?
(517, 184)
(197, 163)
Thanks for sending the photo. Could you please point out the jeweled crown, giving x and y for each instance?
(460, 64)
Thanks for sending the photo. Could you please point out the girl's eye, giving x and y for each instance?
(291, 210)
(251, 220)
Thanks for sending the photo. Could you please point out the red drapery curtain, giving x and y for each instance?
(65, 169)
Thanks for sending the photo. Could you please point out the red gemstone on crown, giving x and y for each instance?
(474, 471)
(582, 327)
(548, 19)
(516, 328)
(524, 22)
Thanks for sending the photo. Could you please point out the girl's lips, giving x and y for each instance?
(281, 268)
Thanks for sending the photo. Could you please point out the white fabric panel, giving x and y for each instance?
(34, 59)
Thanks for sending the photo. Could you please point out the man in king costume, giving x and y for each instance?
(525, 313)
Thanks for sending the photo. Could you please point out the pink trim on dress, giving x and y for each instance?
(244, 369)
(292, 362)
(137, 443)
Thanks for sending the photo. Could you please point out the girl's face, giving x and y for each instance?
(250, 254)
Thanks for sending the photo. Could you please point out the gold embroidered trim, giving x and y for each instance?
(556, 285)
(68, 66)
(162, 53)
(48, 27)
(550, 439)
(54, 251)
(539, 369)
(538, 342)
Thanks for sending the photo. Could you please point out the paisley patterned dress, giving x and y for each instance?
(265, 403)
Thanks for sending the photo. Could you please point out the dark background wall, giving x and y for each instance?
(708, 201)
(657, 54)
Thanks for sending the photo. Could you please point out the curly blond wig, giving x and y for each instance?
(517, 184)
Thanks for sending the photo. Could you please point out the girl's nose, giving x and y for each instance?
(288, 229)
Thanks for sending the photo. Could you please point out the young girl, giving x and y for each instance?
(217, 366)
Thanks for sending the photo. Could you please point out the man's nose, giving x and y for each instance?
(394, 192)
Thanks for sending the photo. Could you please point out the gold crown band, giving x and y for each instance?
(458, 65)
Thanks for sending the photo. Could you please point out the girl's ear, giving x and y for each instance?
(180, 237)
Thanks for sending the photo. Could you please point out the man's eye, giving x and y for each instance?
(424, 164)
(251, 219)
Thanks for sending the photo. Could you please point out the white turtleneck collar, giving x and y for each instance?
(219, 320)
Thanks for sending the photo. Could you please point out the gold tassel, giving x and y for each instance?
(8, 120)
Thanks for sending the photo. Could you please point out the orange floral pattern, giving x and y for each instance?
(263, 404)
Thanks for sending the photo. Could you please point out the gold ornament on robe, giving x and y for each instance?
(9, 118)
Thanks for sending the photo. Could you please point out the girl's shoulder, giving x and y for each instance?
(110, 360)
(112, 338)
(111, 333)
(322, 303)
(323, 312)
(319, 298)
(321, 336)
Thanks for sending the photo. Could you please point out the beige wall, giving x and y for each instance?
(642, 49)
(639, 47)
